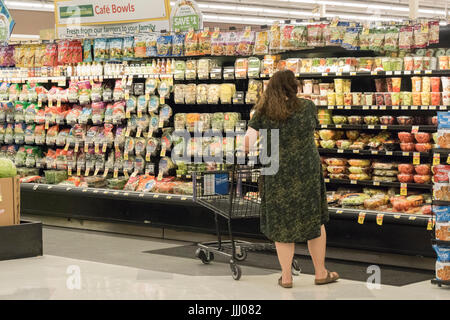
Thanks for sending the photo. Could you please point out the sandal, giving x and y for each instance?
(287, 285)
(328, 279)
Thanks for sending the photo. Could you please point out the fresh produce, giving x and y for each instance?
(7, 168)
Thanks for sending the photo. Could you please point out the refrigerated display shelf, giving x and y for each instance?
(379, 184)
(384, 217)
(421, 128)
(441, 151)
(387, 108)
(375, 153)
(441, 242)
(441, 203)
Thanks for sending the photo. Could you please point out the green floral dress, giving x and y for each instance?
(294, 203)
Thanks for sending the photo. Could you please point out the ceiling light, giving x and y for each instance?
(24, 5)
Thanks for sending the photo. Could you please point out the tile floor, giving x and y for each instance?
(91, 265)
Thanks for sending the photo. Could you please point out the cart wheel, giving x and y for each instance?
(296, 270)
(203, 255)
(242, 256)
(236, 271)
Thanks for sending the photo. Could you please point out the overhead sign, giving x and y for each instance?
(186, 15)
(84, 18)
(6, 23)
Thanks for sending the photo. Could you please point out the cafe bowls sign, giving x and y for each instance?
(84, 18)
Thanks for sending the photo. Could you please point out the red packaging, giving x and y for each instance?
(405, 137)
(407, 147)
(405, 178)
(406, 168)
(440, 178)
(388, 99)
(422, 179)
(441, 169)
(380, 85)
(423, 147)
(435, 98)
(379, 99)
(435, 84)
(422, 137)
(423, 169)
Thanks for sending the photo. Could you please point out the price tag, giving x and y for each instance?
(417, 72)
(125, 156)
(432, 107)
(405, 154)
(374, 152)
(353, 182)
(382, 107)
(162, 100)
(448, 159)
(62, 83)
(105, 173)
(130, 80)
(376, 183)
(161, 124)
(340, 151)
(407, 72)
(415, 129)
(412, 218)
(46, 125)
(370, 127)
(414, 107)
(138, 133)
(361, 217)
(436, 159)
(389, 73)
(374, 73)
(127, 133)
(116, 173)
(430, 224)
(339, 126)
(383, 127)
(324, 126)
(86, 148)
(105, 146)
(374, 107)
(97, 148)
(163, 152)
(39, 103)
(353, 73)
(348, 107)
(169, 197)
(147, 157)
(78, 171)
(324, 74)
(366, 107)
(127, 95)
(125, 173)
(397, 216)
(183, 198)
(58, 103)
(395, 108)
(389, 153)
(340, 107)
(66, 148)
(338, 74)
(416, 158)
(86, 173)
(69, 171)
(443, 108)
(50, 103)
(403, 189)
(356, 151)
(156, 196)
(327, 180)
(397, 73)
(330, 107)
(150, 133)
(160, 176)
(405, 107)
(428, 72)
(96, 172)
(77, 146)
(339, 211)
(380, 217)
(147, 97)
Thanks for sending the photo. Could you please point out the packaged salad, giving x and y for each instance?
(178, 93)
(406, 38)
(190, 93)
(178, 44)
(191, 69)
(191, 43)
(202, 94)
(164, 46)
(213, 93)
(100, 50)
(246, 42)
(232, 40)
(275, 37)
(204, 42)
(151, 43)
(217, 43)
(128, 48)
(116, 49)
(261, 43)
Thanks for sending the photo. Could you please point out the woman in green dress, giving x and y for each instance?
(294, 203)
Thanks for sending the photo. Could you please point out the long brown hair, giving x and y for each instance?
(279, 101)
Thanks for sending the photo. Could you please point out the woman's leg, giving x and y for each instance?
(285, 252)
(317, 249)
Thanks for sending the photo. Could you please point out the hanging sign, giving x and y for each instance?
(6, 23)
(90, 18)
(186, 15)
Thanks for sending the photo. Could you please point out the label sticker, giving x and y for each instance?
(380, 217)
(361, 217)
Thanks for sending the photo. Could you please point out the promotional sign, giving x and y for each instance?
(6, 23)
(90, 18)
(186, 15)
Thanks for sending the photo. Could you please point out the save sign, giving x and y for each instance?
(186, 15)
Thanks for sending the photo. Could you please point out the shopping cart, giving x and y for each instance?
(231, 194)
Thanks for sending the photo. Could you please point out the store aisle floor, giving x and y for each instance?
(91, 265)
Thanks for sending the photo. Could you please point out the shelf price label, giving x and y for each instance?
(416, 158)
(97, 148)
(163, 152)
(96, 172)
(340, 151)
(415, 129)
(389, 153)
(86, 173)
(105, 173)
(77, 146)
(353, 182)
(162, 100)
(380, 217)
(448, 159)
(69, 171)
(160, 176)
(125, 173)
(138, 133)
(86, 148)
(430, 224)
(374, 73)
(403, 189)
(361, 217)
(366, 107)
(116, 173)
(395, 107)
(353, 73)
(78, 172)
(104, 147)
(147, 157)
(412, 218)
(125, 156)
(339, 211)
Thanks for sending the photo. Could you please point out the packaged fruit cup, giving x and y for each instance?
(445, 84)
(355, 120)
(426, 63)
(331, 97)
(388, 99)
(348, 98)
(371, 120)
(426, 84)
(357, 97)
(387, 64)
(368, 99)
(418, 63)
(380, 85)
(435, 84)
(405, 120)
(426, 98)
(435, 98)
(446, 98)
(408, 63)
(416, 99)
(307, 86)
(406, 98)
(387, 120)
(397, 64)
(443, 62)
(339, 99)
(347, 85)
(416, 84)
(379, 99)
(323, 99)
(339, 85)
(396, 84)
(395, 97)
(339, 119)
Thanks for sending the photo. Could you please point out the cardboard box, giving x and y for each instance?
(9, 201)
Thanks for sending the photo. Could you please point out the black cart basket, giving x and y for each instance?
(231, 194)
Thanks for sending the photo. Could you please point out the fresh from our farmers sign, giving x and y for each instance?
(186, 15)
(81, 18)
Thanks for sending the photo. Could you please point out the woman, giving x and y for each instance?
(294, 205)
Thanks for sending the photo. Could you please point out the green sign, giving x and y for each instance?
(76, 11)
(185, 16)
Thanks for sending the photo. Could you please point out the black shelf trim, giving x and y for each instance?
(378, 184)
(373, 153)
(421, 128)
(441, 203)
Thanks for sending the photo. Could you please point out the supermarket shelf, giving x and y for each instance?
(262, 76)
(379, 184)
(375, 153)
(388, 217)
(440, 282)
(441, 242)
(441, 203)
(441, 151)
(422, 128)
(387, 108)
(109, 193)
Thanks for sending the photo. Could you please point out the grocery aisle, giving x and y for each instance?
(123, 267)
